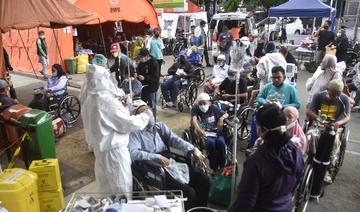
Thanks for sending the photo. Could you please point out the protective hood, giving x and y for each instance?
(98, 82)
(286, 160)
(265, 65)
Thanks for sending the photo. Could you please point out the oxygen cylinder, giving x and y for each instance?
(322, 159)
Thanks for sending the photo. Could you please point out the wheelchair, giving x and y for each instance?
(187, 95)
(65, 106)
(150, 175)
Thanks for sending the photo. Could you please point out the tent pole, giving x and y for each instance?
(27, 54)
(102, 38)
(58, 47)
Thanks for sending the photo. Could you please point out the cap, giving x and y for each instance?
(114, 47)
(3, 84)
(336, 85)
(100, 60)
(136, 104)
(203, 97)
(221, 57)
(144, 52)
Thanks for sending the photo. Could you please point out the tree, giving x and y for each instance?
(231, 5)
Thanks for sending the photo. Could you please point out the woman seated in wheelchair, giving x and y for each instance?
(152, 144)
(208, 121)
(226, 90)
(55, 86)
(170, 88)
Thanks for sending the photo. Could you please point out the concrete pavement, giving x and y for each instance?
(77, 163)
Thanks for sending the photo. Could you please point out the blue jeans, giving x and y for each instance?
(217, 151)
(172, 86)
(352, 87)
(150, 98)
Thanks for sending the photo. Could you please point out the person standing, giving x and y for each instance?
(41, 47)
(149, 75)
(262, 40)
(8, 77)
(107, 125)
(225, 42)
(204, 34)
(325, 38)
(342, 43)
(156, 48)
(122, 63)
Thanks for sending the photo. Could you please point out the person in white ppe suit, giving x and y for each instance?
(107, 125)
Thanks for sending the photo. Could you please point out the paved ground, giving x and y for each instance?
(77, 163)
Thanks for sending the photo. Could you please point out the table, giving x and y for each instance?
(305, 52)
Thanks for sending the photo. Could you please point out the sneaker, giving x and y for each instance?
(327, 178)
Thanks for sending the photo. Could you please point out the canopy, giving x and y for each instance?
(135, 11)
(20, 14)
(302, 8)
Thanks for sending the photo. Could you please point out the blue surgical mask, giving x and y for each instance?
(143, 59)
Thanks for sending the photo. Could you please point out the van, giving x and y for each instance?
(231, 20)
(294, 26)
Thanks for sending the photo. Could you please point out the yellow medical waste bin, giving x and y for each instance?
(51, 201)
(18, 190)
(81, 63)
(48, 173)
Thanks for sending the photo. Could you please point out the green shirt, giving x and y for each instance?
(156, 47)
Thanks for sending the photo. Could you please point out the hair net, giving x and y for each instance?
(136, 105)
(336, 85)
(98, 83)
(237, 57)
(100, 60)
(203, 97)
(328, 63)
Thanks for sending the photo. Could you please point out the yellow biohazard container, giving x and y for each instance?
(48, 173)
(18, 190)
(81, 63)
(51, 201)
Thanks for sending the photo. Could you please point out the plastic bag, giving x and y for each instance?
(179, 171)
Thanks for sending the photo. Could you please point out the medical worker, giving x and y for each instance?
(107, 124)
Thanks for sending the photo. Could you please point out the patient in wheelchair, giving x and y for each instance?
(208, 122)
(56, 86)
(153, 144)
(226, 90)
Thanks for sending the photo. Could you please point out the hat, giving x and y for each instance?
(100, 60)
(114, 47)
(203, 97)
(136, 105)
(3, 84)
(221, 57)
(336, 85)
(144, 52)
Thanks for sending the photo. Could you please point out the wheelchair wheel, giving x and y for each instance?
(191, 94)
(302, 193)
(200, 76)
(69, 109)
(181, 105)
(138, 188)
(244, 127)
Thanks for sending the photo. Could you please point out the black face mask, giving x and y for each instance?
(182, 59)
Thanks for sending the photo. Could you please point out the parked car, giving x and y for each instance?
(294, 26)
(233, 19)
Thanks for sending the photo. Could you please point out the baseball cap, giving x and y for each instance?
(114, 47)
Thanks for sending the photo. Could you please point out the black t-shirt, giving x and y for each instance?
(290, 59)
(150, 71)
(325, 38)
(228, 86)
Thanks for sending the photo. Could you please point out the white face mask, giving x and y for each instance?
(338, 34)
(204, 108)
(152, 121)
(291, 125)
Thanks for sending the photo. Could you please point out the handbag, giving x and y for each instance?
(220, 188)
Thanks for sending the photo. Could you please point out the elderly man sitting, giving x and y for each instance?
(156, 138)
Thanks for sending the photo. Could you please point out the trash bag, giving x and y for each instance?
(179, 171)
